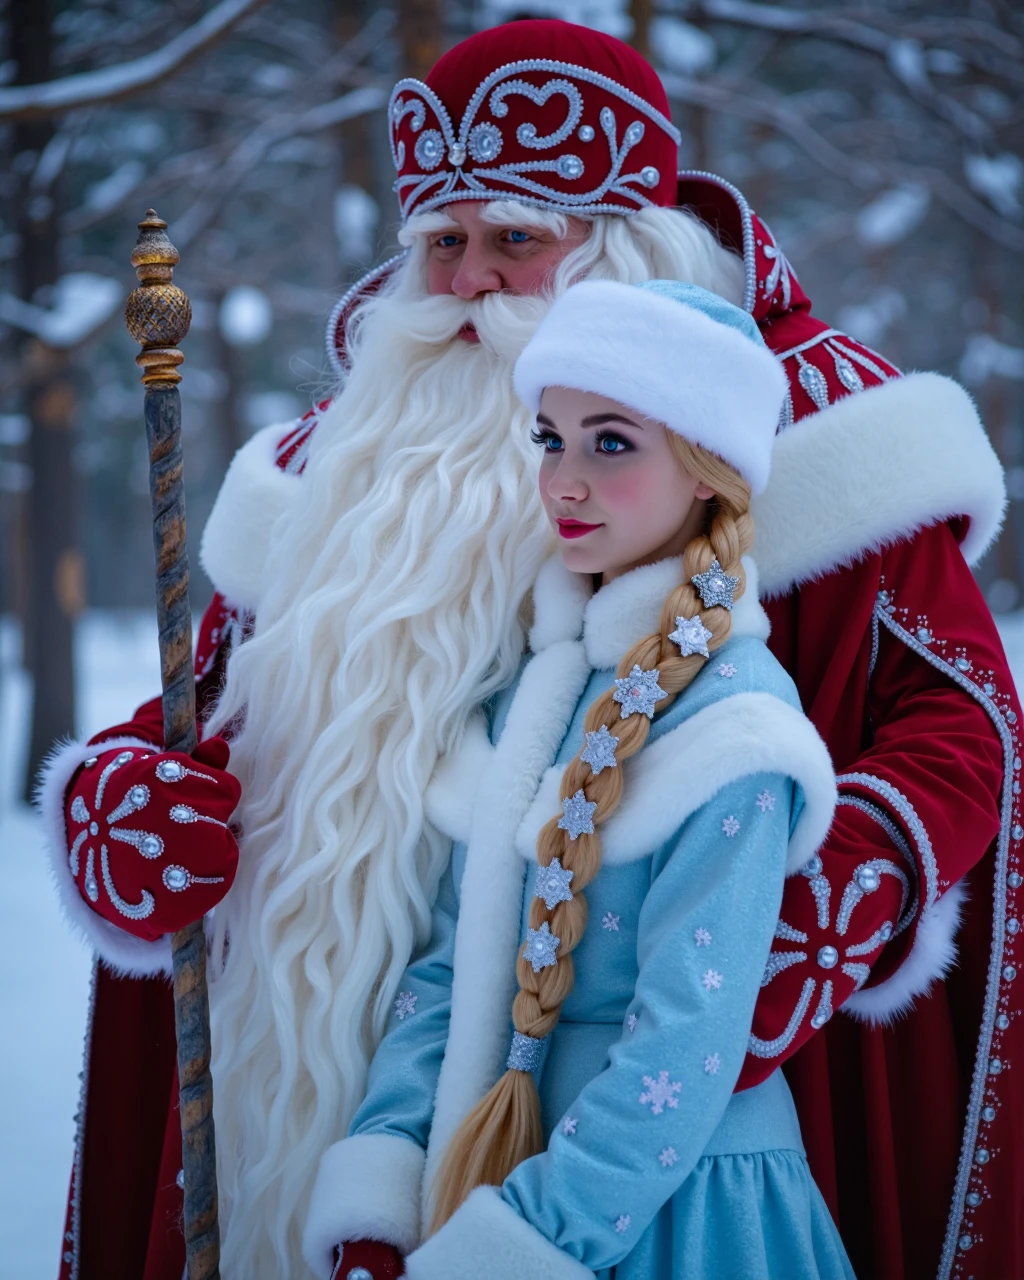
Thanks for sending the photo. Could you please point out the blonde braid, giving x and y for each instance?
(505, 1126)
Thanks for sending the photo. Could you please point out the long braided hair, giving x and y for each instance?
(505, 1126)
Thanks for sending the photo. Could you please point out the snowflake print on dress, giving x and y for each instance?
(569, 1126)
(712, 979)
(702, 937)
(730, 826)
(711, 1064)
(405, 1004)
(727, 670)
(765, 802)
(622, 1222)
(660, 1093)
(668, 1157)
(631, 1022)
(610, 922)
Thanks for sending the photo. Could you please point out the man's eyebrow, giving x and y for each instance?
(599, 420)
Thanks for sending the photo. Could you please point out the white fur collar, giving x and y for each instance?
(613, 619)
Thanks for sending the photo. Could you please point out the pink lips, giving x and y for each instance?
(575, 528)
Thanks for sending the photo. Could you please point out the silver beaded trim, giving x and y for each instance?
(747, 224)
(858, 972)
(780, 960)
(824, 1010)
(786, 933)
(131, 910)
(346, 300)
(136, 799)
(148, 844)
(899, 804)
(526, 1052)
(120, 759)
(772, 1048)
(906, 913)
(75, 1241)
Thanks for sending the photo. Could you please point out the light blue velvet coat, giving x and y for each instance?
(653, 1167)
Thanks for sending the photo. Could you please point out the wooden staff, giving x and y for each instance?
(158, 315)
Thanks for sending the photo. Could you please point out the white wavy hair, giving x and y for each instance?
(391, 610)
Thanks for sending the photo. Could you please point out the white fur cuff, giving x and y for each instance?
(367, 1188)
(486, 1237)
(127, 956)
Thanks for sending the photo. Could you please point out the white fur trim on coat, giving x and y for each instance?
(678, 773)
(485, 1239)
(366, 1188)
(237, 537)
(668, 360)
(623, 612)
(930, 958)
(452, 790)
(127, 956)
(873, 468)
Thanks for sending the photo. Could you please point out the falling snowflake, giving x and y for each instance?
(765, 801)
(577, 816)
(712, 979)
(405, 1004)
(540, 947)
(638, 691)
(569, 1126)
(692, 636)
(622, 1222)
(727, 670)
(668, 1157)
(711, 1064)
(661, 1093)
(552, 884)
(702, 937)
(715, 586)
(599, 750)
(730, 826)
(631, 1022)
(610, 922)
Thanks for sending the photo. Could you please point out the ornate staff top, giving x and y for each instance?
(157, 313)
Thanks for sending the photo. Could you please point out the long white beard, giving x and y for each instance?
(391, 612)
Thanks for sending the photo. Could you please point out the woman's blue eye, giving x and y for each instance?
(551, 442)
(613, 444)
(519, 237)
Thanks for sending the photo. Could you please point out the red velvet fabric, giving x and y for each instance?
(383, 1261)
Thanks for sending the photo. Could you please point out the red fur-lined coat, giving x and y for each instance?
(884, 489)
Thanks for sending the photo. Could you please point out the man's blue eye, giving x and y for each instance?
(447, 242)
(519, 237)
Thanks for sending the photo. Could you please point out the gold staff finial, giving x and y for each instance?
(157, 313)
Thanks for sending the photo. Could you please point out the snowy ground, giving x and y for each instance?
(42, 1005)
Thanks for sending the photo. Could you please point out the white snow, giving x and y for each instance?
(984, 356)
(43, 1010)
(356, 215)
(681, 47)
(892, 215)
(997, 179)
(246, 316)
(82, 302)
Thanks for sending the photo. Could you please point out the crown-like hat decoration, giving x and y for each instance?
(586, 131)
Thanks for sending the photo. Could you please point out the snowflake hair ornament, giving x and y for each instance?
(692, 636)
(541, 945)
(715, 586)
(552, 884)
(638, 691)
(577, 816)
(599, 750)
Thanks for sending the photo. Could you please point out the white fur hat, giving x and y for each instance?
(671, 351)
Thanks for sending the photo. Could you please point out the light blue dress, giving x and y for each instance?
(653, 1167)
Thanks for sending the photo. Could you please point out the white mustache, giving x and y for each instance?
(504, 322)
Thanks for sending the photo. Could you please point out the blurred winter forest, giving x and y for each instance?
(884, 142)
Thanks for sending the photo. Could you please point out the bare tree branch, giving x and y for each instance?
(107, 84)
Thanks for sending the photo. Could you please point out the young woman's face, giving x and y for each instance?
(614, 491)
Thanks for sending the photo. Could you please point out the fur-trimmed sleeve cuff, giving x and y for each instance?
(126, 955)
(486, 1237)
(366, 1188)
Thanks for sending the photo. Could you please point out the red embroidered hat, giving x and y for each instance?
(540, 111)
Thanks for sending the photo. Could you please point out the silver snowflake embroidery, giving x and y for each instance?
(712, 979)
(715, 586)
(730, 826)
(552, 884)
(631, 1022)
(660, 1093)
(638, 691)
(540, 947)
(405, 1004)
(692, 636)
(711, 1064)
(569, 1126)
(599, 750)
(668, 1157)
(702, 937)
(765, 801)
(727, 670)
(622, 1222)
(610, 922)
(577, 816)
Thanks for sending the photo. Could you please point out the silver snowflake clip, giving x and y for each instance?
(638, 691)
(552, 884)
(599, 750)
(692, 636)
(715, 586)
(540, 948)
(577, 816)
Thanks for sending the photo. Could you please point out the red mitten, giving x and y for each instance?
(367, 1260)
(148, 841)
